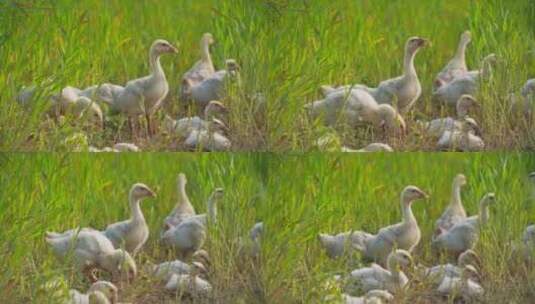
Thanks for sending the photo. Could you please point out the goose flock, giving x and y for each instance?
(202, 87)
(114, 249)
(384, 106)
(391, 252)
(391, 249)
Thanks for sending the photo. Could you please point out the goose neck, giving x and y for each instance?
(406, 210)
(155, 65)
(182, 195)
(393, 267)
(205, 52)
(212, 208)
(461, 51)
(456, 195)
(135, 208)
(483, 213)
(408, 63)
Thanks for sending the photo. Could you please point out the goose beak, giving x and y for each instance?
(173, 49)
(424, 195)
(152, 194)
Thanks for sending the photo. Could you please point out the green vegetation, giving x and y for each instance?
(286, 49)
(296, 197)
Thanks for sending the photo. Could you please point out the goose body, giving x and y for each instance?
(213, 87)
(375, 277)
(355, 107)
(91, 249)
(401, 92)
(455, 212)
(464, 234)
(183, 209)
(437, 127)
(404, 235)
(190, 284)
(374, 147)
(100, 292)
(467, 84)
(456, 67)
(465, 261)
(184, 126)
(203, 69)
(460, 287)
(372, 297)
(207, 140)
(464, 139)
(142, 96)
(134, 232)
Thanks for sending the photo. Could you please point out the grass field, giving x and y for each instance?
(286, 49)
(296, 196)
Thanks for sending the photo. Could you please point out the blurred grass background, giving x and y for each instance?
(297, 196)
(287, 49)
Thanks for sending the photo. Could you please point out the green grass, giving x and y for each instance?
(297, 196)
(287, 49)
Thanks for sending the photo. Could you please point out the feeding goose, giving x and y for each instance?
(456, 67)
(183, 127)
(391, 279)
(468, 84)
(404, 235)
(524, 105)
(455, 212)
(438, 273)
(202, 69)
(89, 249)
(190, 284)
(355, 107)
(100, 292)
(189, 236)
(164, 271)
(251, 247)
(213, 87)
(183, 208)
(371, 297)
(142, 96)
(465, 139)
(463, 286)
(437, 127)
(118, 147)
(401, 92)
(374, 147)
(463, 235)
(209, 138)
(134, 232)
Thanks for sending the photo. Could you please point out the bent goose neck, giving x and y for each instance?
(406, 211)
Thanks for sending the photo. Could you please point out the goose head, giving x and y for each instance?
(140, 191)
(107, 288)
(161, 46)
(412, 193)
(257, 231)
(531, 177)
(121, 265)
(215, 108)
(469, 257)
(466, 38)
(464, 104)
(414, 44)
(488, 199)
(181, 180)
(459, 180)
(232, 67)
(217, 194)
(391, 120)
(399, 258)
(469, 125)
(207, 39)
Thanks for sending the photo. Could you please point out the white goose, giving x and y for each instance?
(183, 127)
(468, 84)
(401, 92)
(463, 286)
(355, 107)
(455, 212)
(438, 273)
(251, 246)
(391, 279)
(374, 147)
(456, 67)
(404, 235)
(164, 271)
(466, 139)
(183, 208)
(189, 236)
(118, 147)
(142, 96)
(371, 297)
(213, 87)
(90, 249)
(100, 292)
(134, 232)
(210, 138)
(202, 69)
(190, 284)
(437, 127)
(463, 235)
